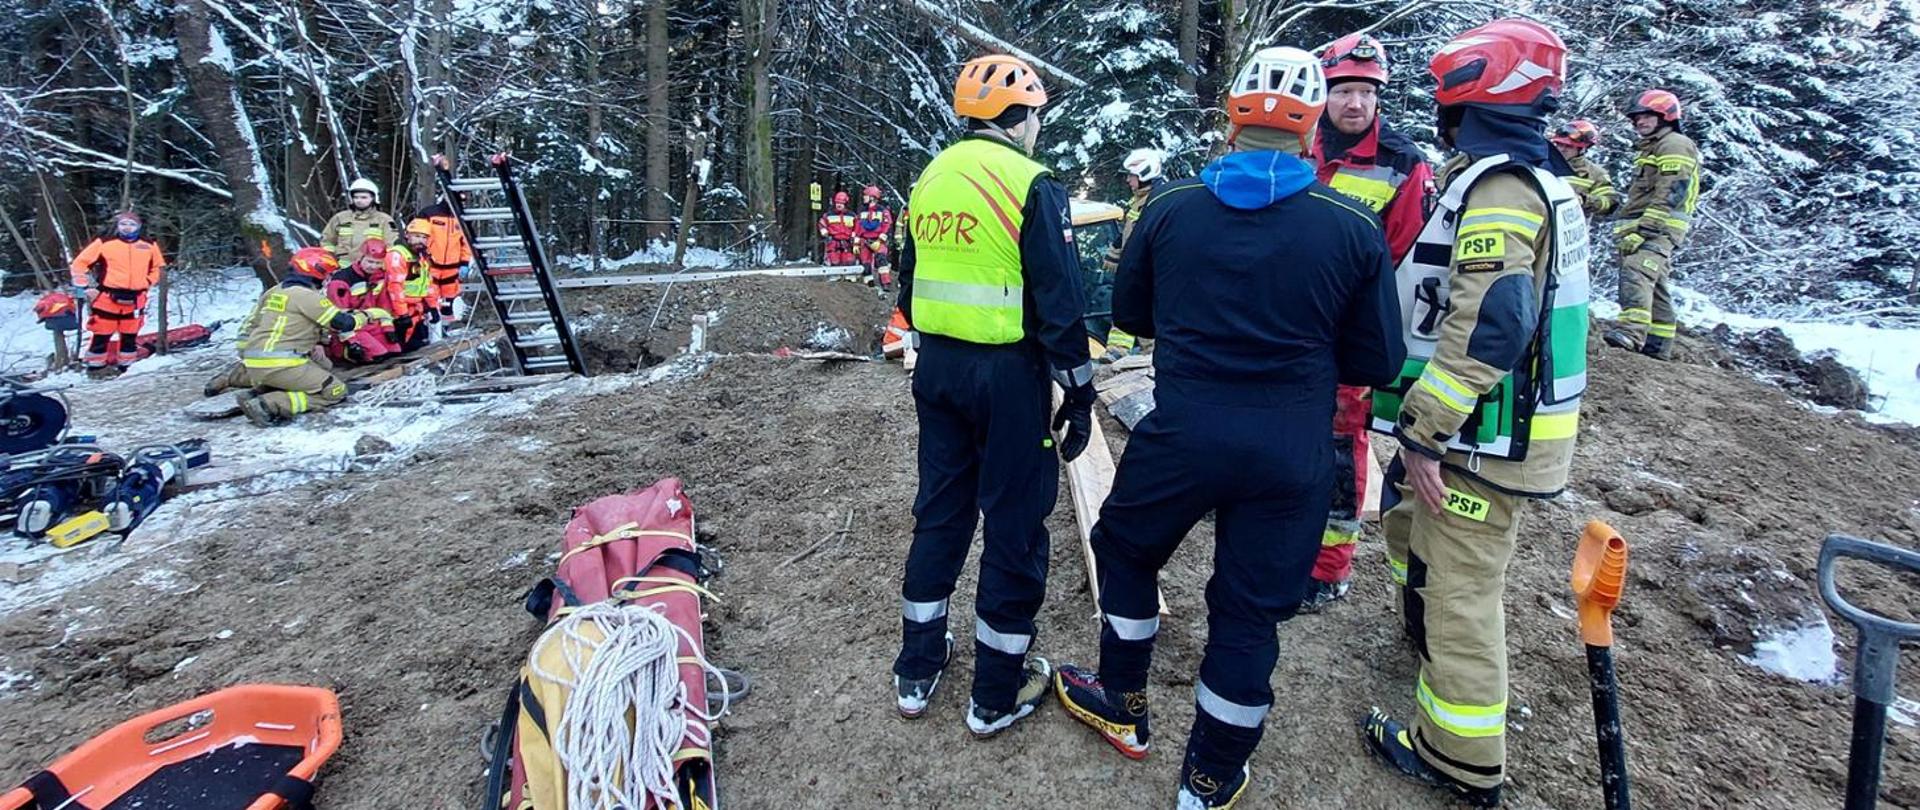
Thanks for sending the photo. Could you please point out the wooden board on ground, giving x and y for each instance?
(1089, 481)
(369, 376)
(222, 474)
(212, 408)
(502, 385)
(1133, 361)
(1117, 387)
(831, 357)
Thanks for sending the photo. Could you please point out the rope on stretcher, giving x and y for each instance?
(628, 709)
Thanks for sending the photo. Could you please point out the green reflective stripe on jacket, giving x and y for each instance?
(968, 209)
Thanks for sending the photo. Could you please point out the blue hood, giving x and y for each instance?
(1254, 180)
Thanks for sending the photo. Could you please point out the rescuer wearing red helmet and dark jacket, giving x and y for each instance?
(1573, 139)
(1360, 156)
(1653, 224)
(836, 232)
(1494, 304)
(1263, 289)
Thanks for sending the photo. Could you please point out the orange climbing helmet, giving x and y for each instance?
(1280, 88)
(419, 226)
(841, 198)
(1355, 56)
(870, 193)
(990, 84)
(316, 262)
(1511, 66)
(1576, 134)
(1658, 102)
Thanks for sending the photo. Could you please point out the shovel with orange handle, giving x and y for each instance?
(1599, 577)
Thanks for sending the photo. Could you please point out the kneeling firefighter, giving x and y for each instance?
(1488, 405)
(278, 370)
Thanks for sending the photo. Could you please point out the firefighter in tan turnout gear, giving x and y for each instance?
(1597, 194)
(1653, 224)
(279, 375)
(1480, 428)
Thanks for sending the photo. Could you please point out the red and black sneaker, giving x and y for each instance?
(1119, 717)
(1389, 740)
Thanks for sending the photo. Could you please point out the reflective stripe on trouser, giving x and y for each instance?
(1456, 576)
(1645, 297)
(1267, 477)
(984, 450)
(1396, 520)
(296, 390)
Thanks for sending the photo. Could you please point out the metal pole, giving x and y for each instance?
(1606, 725)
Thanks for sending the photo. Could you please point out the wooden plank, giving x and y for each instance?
(1089, 482)
(1370, 505)
(1133, 361)
(434, 353)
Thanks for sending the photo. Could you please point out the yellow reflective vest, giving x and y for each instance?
(968, 208)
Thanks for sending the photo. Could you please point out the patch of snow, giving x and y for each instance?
(9, 679)
(518, 560)
(657, 252)
(222, 296)
(1887, 359)
(1802, 653)
(1904, 711)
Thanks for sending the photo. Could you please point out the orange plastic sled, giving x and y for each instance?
(252, 747)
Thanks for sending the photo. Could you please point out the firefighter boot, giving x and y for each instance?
(1036, 680)
(256, 411)
(1119, 717)
(1621, 339)
(913, 694)
(1199, 791)
(1657, 347)
(1389, 740)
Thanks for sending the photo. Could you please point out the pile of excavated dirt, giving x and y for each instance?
(624, 328)
(401, 587)
(1819, 377)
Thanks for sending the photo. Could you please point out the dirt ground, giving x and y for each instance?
(400, 589)
(623, 328)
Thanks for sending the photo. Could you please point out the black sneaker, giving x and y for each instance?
(1199, 791)
(913, 694)
(1119, 717)
(1322, 595)
(1389, 740)
(1619, 339)
(1038, 678)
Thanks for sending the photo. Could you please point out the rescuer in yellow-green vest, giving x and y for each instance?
(990, 281)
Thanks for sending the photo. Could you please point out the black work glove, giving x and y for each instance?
(401, 324)
(433, 315)
(1076, 414)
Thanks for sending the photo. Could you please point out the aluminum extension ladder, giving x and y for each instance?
(513, 265)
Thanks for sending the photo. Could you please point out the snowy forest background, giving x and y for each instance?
(234, 125)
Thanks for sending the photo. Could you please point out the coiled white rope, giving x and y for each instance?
(627, 713)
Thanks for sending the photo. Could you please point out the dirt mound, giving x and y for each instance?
(1819, 377)
(624, 328)
(400, 588)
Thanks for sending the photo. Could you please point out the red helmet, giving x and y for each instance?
(314, 262)
(870, 192)
(375, 249)
(840, 198)
(1355, 56)
(1662, 103)
(1576, 134)
(1511, 66)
